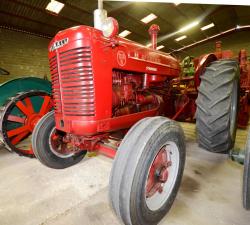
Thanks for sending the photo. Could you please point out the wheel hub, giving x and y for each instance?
(158, 173)
(32, 120)
(59, 147)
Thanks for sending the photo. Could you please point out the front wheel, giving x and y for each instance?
(49, 147)
(147, 171)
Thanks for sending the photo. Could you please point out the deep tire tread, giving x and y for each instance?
(213, 106)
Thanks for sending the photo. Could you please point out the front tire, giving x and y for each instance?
(217, 106)
(44, 147)
(147, 171)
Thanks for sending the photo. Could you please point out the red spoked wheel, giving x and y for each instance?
(19, 115)
(147, 171)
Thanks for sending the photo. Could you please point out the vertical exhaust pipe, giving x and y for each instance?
(153, 32)
(100, 15)
(218, 49)
(100, 4)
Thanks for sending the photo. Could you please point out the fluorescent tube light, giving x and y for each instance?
(189, 26)
(207, 26)
(54, 6)
(181, 38)
(124, 33)
(177, 3)
(160, 47)
(149, 18)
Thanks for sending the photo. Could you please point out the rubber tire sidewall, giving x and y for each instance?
(129, 170)
(140, 178)
(41, 147)
(237, 92)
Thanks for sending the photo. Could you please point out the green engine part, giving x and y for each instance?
(187, 66)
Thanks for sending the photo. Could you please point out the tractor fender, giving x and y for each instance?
(11, 88)
(203, 62)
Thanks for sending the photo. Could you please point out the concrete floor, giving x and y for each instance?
(31, 194)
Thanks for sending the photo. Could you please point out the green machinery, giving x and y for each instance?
(187, 66)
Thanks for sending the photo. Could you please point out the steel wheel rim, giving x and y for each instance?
(157, 200)
(20, 117)
(52, 148)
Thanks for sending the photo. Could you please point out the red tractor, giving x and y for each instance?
(111, 96)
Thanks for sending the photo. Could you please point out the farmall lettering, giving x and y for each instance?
(59, 44)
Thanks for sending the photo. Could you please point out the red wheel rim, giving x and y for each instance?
(158, 173)
(162, 175)
(60, 146)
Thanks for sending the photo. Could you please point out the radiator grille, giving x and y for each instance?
(74, 91)
(55, 84)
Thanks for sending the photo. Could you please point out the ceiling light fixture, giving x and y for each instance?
(189, 26)
(181, 38)
(124, 33)
(177, 3)
(54, 6)
(149, 18)
(207, 26)
(160, 47)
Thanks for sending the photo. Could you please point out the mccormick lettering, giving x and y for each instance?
(59, 44)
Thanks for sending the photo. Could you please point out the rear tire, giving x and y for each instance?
(42, 147)
(133, 187)
(217, 105)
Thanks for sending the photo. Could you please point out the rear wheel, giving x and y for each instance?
(49, 146)
(18, 117)
(217, 105)
(147, 171)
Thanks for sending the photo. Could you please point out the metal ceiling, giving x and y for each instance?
(31, 16)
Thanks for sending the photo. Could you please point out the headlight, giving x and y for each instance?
(110, 27)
